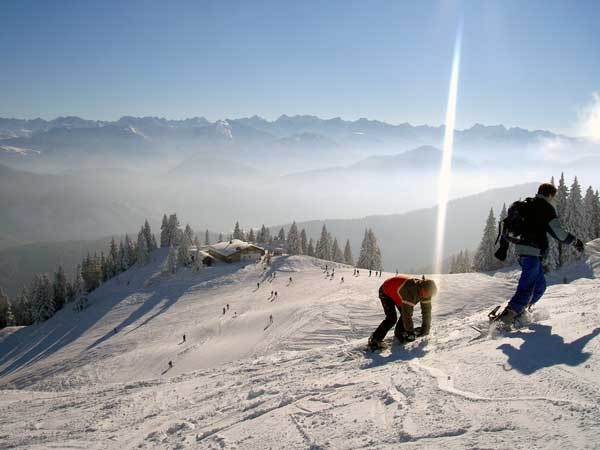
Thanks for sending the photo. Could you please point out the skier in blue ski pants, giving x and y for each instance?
(532, 284)
(541, 221)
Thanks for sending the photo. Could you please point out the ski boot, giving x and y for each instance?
(375, 344)
(506, 319)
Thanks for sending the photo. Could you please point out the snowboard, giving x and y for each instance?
(493, 327)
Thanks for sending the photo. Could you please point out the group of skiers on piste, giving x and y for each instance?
(526, 226)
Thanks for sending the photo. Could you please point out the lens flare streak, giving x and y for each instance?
(446, 167)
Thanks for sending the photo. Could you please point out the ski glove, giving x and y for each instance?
(579, 246)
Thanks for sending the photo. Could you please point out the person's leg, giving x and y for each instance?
(540, 286)
(389, 308)
(531, 267)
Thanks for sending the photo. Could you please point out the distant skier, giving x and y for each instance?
(227, 306)
(290, 280)
(342, 280)
(170, 364)
(275, 294)
(223, 310)
(115, 330)
(404, 293)
(369, 272)
(271, 318)
(380, 274)
(357, 272)
(257, 285)
(354, 274)
(539, 219)
(184, 338)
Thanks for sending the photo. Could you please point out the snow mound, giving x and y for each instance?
(302, 380)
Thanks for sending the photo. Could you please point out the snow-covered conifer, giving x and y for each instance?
(43, 306)
(574, 218)
(348, 258)
(294, 244)
(59, 288)
(303, 242)
(336, 252)
(143, 256)
(484, 259)
(323, 247)
(183, 251)
(237, 232)
(5, 312)
(164, 232)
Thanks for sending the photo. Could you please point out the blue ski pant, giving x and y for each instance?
(532, 283)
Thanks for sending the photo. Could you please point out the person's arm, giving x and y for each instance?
(556, 230)
(426, 317)
(408, 292)
(407, 319)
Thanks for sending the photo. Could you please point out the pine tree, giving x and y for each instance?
(237, 232)
(5, 320)
(59, 288)
(43, 306)
(164, 232)
(348, 258)
(150, 239)
(206, 238)
(251, 236)
(189, 233)
(22, 308)
(183, 251)
(323, 248)
(113, 259)
(294, 244)
(336, 252)
(574, 219)
(281, 235)
(171, 266)
(560, 202)
(310, 250)
(303, 242)
(589, 215)
(484, 259)
(130, 251)
(364, 257)
(376, 262)
(597, 215)
(142, 257)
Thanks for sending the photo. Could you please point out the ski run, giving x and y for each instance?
(290, 371)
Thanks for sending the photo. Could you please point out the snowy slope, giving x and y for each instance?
(303, 381)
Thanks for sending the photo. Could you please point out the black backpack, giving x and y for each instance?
(518, 221)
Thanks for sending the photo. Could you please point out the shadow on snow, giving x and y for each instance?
(543, 349)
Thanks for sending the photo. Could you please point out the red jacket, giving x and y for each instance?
(391, 287)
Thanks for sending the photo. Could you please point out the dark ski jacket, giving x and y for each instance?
(544, 221)
(404, 292)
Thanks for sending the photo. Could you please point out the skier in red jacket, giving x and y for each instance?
(404, 293)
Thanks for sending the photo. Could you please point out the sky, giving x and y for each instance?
(533, 64)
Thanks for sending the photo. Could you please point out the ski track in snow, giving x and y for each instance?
(303, 381)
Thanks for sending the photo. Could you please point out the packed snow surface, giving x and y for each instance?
(100, 378)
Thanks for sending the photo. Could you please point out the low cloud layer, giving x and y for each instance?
(589, 118)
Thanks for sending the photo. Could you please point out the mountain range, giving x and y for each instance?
(289, 143)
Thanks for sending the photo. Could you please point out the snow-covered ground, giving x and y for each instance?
(303, 381)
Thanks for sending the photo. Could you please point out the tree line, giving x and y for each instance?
(48, 294)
